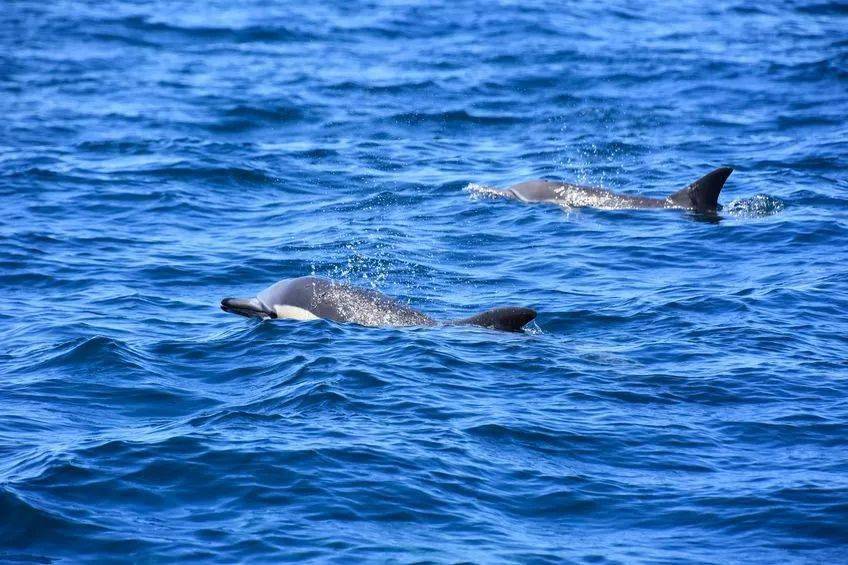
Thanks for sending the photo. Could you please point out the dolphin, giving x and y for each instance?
(312, 298)
(700, 196)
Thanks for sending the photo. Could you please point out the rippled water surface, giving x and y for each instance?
(682, 395)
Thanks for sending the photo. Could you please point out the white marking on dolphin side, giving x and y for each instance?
(293, 313)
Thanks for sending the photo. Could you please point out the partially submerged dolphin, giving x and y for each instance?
(701, 195)
(311, 298)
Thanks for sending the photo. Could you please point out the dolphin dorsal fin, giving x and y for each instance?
(509, 319)
(702, 195)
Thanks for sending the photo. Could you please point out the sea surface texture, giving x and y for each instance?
(681, 397)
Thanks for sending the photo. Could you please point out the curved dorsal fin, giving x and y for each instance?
(702, 195)
(509, 319)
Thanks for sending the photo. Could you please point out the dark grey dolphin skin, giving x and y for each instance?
(701, 195)
(310, 298)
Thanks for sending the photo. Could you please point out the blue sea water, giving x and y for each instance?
(682, 396)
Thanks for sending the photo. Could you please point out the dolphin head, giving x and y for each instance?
(250, 307)
(287, 299)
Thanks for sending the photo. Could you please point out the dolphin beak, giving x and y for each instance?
(249, 307)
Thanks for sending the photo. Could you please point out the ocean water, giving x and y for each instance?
(681, 397)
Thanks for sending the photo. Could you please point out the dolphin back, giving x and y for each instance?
(702, 195)
(509, 319)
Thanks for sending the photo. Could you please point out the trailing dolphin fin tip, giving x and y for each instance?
(510, 319)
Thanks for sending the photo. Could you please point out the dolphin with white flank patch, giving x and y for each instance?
(311, 298)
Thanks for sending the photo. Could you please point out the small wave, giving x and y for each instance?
(538, 438)
(386, 89)
(247, 34)
(824, 8)
(453, 117)
(811, 71)
(317, 398)
(99, 350)
(29, 521)
(247, 116)
(218, 175)
(272, 112)
(555, 503)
